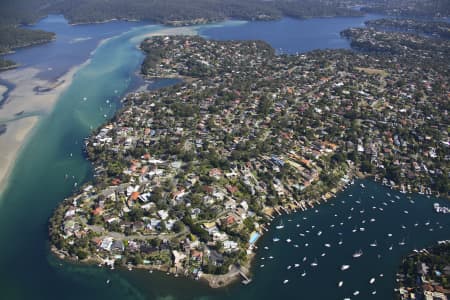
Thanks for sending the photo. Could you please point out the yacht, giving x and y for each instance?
(358, 254)
(327, 245)
(285, 281)
(372, 280)
(288, 240)
(280, 226)
(340, 283)
(345, 267)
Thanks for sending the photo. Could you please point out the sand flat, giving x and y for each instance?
(25, 99)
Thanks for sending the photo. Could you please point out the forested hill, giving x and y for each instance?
(163, 11)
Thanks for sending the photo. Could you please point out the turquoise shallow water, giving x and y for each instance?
(38, 184)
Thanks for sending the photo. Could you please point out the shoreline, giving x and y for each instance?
(25, 98)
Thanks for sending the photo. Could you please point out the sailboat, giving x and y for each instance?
(280, 226)
(357, 254)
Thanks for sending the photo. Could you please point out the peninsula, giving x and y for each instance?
(188, 177)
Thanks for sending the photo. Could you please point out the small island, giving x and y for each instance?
(187, 178)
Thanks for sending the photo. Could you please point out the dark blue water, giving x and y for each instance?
(292, 35)
(73, 45)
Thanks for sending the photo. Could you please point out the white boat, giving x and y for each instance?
(389, 234)
(288, 240)
(355, 293)
(319, 233)
(390, 248)
(280, 226)
(306, 245)
(275, 239)
(374, 292)
(402, 243)
(296, 265)
(405, 211)
(340, 242)
(303, 274)
(372, 280)
(305, 258)
(357, 254)
(271, 257)
(345, 267)
(362, 185)
(314, 264)
(327, 245)
(323, 254)
(285, 281)
(289, 267)
(107, 281)
(374, 244)
(266, 248)
(261, 266)
(340, 283)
